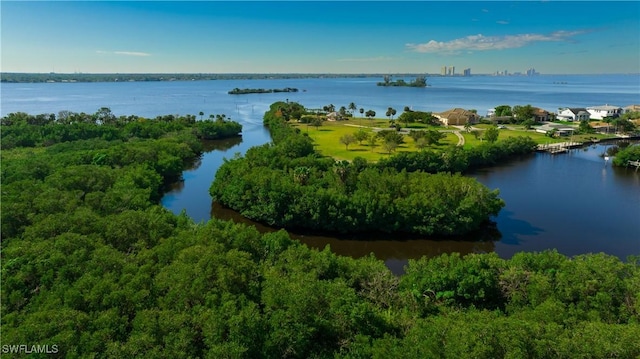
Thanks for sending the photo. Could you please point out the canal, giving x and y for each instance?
(575, 202)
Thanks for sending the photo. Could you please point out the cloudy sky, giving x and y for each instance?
(320, 37)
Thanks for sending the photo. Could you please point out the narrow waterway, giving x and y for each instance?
(575, 202)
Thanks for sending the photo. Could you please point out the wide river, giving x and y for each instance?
(574, 202)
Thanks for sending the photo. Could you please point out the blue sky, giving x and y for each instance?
(320, 37)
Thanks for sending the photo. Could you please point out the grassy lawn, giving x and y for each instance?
(327, 137)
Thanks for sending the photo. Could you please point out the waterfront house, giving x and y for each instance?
(560, 130)
(456, 116)
(631, 108)
(573, 114)
(540, 115)
(600, 112)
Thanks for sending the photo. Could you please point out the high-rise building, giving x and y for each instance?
(451, 71)
(467, 72)
(443, 71)
(531, 72)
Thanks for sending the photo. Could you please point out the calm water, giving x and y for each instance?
(572, 202)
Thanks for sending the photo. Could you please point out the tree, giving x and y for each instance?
(347, 139)
(528, 123)
(342, 111)
(503, 110)
(361, 111)
(623, 125)
(523, 113)
(342, 170)
(316, 121)
(301, 174)
(372, 140)
(201, 114)
(416, 135)
(104, 116)
(390, 113)
(352, 108)
(433, 137)
(491, 134)
(390, 146)
(370, 114)
(421, 143)
(468, 126)
(584, 127)
(361, 135)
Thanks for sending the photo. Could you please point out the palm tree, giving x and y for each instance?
(370, 114)
(301, 174)
(352, 108)
(467, 126)
(201, 114)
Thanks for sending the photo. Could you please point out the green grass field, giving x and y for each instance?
(327, 137)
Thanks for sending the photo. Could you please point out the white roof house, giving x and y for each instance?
(560, 130)
(600, 112)
(573, 114)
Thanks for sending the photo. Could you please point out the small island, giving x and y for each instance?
(420, 81)
(238, 91)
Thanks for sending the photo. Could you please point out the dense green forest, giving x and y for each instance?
(288, 184)
(93, 265)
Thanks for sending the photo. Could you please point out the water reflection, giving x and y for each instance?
(394, 249)
(515, 228)
(220, 145)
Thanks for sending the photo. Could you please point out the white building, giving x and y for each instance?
(600, 112)
(573, 114)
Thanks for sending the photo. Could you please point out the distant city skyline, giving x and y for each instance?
(320, 37)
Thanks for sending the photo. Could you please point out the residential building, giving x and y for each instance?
(451, 71)
(631, 108)
(600, 112)
(456, 116)
(540, 115)
(443, 71)
(560, 130)
(467, 72)
(573, 114)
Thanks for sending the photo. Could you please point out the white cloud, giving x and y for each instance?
(125, 53)
(131, 53)
(485, 43)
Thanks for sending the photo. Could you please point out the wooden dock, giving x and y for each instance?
(554, 148)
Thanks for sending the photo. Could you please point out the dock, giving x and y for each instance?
(636, 164)
(554, 148)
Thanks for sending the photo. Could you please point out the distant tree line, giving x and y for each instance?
(24, 130)
(419, 81)
(92, 263)
(13, 77)
(238, 91)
